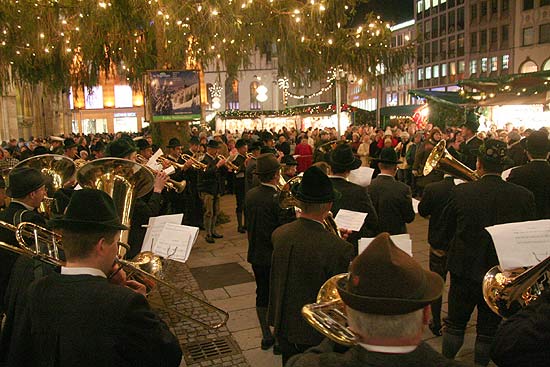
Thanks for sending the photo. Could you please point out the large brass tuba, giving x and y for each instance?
(506, 293)
(327, 315)
(123, 180)
(441, 159)
(58, 169)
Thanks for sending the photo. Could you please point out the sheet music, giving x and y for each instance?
(415, 205)
(521, 244)
(152, 162)
(350, 220)
(361, 176)
(458, 181)
(403, 241)
(175, 241)
(155, 227)
(506, 173)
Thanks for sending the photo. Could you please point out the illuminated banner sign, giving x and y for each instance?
(174, 95)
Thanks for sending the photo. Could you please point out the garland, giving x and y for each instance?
(321, 109)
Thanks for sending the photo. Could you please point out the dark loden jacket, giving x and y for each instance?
(474, 206)
(83, 320)
(210, 180)
(468, 152)
(305, 255)
(535, 176)
(393, 202)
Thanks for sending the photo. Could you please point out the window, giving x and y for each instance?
(231, 94)
(442, 25)
(528, 4)
(483, 11)
(546, 65)
(494, 35)
(504, 35)
(419, 7)
(473, 12)
(528, 67)
(483, 39)
(494, 6)
(505, 6)
(427, 29)
(494, 63)
(254, 103)
(420, 74)
(505, 62)
(460, 19)
(444, 70)
(473, 41)
(123, 96)
(461, 66)
(435, 71)
(435, 27)
(427, 4)
(544, 33)
(93, 97)
(452, 68)
(428, 72)
(528, 36)
(473, 66)
(483, 64)
(460, 39)
(452, 18)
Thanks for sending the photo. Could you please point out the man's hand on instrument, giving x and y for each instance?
(118, 275)
(160, 180)
(221, 163)
(136, 287)
(345, 233)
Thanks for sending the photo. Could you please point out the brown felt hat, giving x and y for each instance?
(385, 280)
(267, 163)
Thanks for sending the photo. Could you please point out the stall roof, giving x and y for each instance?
(407, 110)
(453, 99)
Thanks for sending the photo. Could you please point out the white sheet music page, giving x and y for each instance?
(350, 220)
(403, 241)
(152, 162)
(415, 205)
(155, 227)
(521, 244)
(175, 242)
(361, 176)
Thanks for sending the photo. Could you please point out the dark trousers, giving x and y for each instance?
(464, 295)
(239, 194)
(438, 264)
(289, 349)
(261, 273)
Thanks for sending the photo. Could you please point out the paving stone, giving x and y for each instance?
(242, 320)
(236, 303)
(215, 294)
(260, 358)
(248, 339)
(241, 289)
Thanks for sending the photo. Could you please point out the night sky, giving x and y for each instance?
(393, 11)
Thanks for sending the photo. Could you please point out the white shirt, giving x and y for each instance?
(389, 349)
(340, 177)
(385, 174)
(82, 271)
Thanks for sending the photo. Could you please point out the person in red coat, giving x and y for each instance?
(304, 155)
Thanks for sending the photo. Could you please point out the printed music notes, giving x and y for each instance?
(350, 220)
(361, 176)
(521, 244)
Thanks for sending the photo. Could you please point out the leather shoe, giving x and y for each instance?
(210, 239)
(267, 343)
(216, 235)
(277, 349)
(241, 230)
(435, 328)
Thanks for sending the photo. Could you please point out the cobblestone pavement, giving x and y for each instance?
(227, 282)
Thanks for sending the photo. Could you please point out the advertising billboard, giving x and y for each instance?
(174, 95)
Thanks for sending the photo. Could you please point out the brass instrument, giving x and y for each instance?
(164, 160)
(123, 180)
(228, 164)
(145, 267)
(177, 186)
(328, 316)
(441, 159)
(249, 155)
(195, 163)
(59, 169)
(506, 293)
(287, 201)
(329, 146)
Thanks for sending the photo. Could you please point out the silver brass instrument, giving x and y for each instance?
(177, 186)
(328, 316)
(195, 163)
(441, 159)
(59, 170)
(506, 293)
(147, 269)
(123, 180)
(230, 166)
(288, 201)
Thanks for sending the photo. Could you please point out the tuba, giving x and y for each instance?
(327, 315)
(123, 180)
(59, 170)
(441, 159)
(506, 293)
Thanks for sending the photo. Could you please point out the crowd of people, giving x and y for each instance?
(293, 249)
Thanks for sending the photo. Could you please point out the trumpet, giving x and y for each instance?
(163, 160)
(195, 163)
(230, 166)
(177, 186)
(249, 155)
(146, 267)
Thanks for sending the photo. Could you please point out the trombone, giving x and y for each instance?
(195, 163)
(177, 186)
(145, 268)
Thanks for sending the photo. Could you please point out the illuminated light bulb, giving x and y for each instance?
(102, 5)
(42, 35)
(262, 89)
(215, 12)
(322, 7)
(298, 19)
(199, 8)
(296, 11)
(3, 43)
(303, 38)
(46, 50)
(357, 44)
(68, 50)
(360, 29)
(330, 41)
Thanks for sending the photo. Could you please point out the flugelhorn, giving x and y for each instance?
(441, 159)
(195, 163)
(59, 170)
(328, 316)
(177, 186)
(506, 293)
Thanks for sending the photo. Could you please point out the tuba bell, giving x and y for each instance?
(441, 159)
(123, 180)
(327, 315)
(59, 170)
(506, 293)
